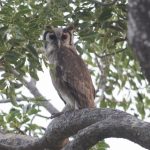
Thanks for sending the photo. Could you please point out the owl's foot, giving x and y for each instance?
(54, 115)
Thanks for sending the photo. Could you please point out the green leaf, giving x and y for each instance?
(57, 23)
(106, 14)
(12, 56)
(32, 111)
(13, 113)
(102, 145)
(24, 9)
(103, 104)
(125, 104)
(11, 94)
(2, 84)
(89, 36)
(140, 105)
(32, 50)
(33, 126)
(33, 73)
(21, 63)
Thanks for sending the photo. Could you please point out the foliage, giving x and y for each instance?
(101, 41)
(100, 146)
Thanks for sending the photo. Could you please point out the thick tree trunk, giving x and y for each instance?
(139, 32)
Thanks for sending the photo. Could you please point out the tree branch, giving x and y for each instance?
(91, 125)
(33, 89)
(124, 126)
(21, 142)
(31, 86)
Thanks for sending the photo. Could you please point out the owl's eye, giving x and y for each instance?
(52, 36)
(64, 36)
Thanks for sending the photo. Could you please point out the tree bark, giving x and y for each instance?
(87, 126)
(139, 32)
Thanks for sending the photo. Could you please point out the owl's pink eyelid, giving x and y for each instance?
(64, 36)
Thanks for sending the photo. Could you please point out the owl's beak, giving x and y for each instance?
(59, 43)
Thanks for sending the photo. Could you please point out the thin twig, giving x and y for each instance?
(8, 100)
(3, 101)
(102, 80)
(109, 54)
(99, 66)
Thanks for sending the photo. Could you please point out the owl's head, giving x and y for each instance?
(56, 38)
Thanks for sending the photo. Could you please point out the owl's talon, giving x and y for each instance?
(68, 112)
(54, 115)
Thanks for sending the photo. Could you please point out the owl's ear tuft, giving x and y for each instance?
(49, 28)
(71, 27)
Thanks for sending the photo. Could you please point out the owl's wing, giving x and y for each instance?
(75, 78)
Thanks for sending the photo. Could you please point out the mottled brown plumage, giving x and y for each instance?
(69, 73)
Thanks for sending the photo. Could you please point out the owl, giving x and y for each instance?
(69, 74)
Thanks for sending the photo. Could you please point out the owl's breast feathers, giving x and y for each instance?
(74, 78)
